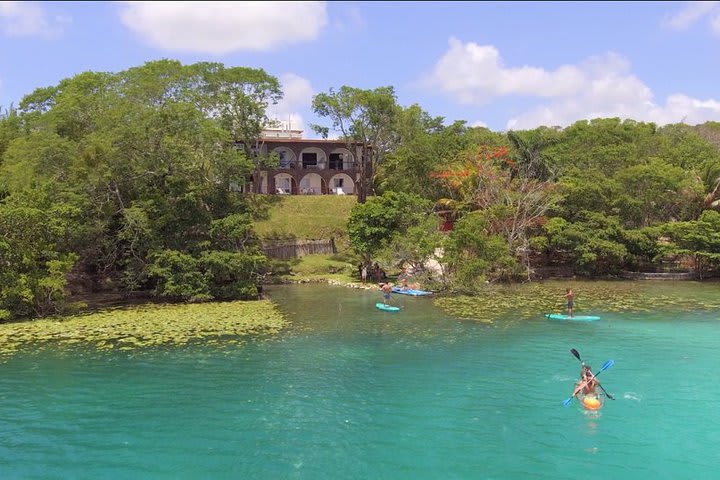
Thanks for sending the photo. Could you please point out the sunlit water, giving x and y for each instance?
(352, 392)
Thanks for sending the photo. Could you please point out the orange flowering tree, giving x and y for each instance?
(510, 202)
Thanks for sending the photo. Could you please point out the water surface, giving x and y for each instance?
(352, 392)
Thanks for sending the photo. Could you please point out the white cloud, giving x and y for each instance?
(297, 96)
(223, 27)
(622, 95)
(474, 74)
(601, 86)
(690, 13)
(478, 123)
(297, 90)
(19, 19)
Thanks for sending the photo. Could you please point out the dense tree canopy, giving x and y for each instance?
(128, 181)
(592, 197)
(125, 179)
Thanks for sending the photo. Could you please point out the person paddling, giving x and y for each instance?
(587, 383)
(570, 296)
(386, 290)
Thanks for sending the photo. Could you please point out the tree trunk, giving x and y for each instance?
(363, 187)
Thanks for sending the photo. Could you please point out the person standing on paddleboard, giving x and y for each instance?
(570, 296)
(387, 290)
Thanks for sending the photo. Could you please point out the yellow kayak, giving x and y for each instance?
(591, 401)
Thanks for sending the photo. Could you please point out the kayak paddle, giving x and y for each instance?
(605, 366)
(577, 355)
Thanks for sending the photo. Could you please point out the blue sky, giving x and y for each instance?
(504, 65)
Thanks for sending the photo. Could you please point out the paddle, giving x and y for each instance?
(577, 355)
(605, 366)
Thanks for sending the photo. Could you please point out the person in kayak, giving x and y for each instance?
(587, 383)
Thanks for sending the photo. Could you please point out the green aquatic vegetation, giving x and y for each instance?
(532, 300)
(146, 326)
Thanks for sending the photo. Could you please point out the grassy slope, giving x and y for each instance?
(312, 217)
(308, 217)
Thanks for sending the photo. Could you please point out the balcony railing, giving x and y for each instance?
(320, 166)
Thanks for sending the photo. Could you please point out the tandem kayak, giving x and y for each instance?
(576, 318)
(410, 291)
(387, 308)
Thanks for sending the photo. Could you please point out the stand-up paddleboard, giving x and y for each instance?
(387, 308)
(410, 291)
(575, 318)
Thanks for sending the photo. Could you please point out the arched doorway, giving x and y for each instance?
(285, 184)
(312, 184)
(341, 184)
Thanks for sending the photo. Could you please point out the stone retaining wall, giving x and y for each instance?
(659, 276)
(299, 248)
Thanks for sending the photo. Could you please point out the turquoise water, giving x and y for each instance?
(352, 392)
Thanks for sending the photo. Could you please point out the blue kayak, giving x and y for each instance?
(387, 308)
(410, 291)
(575, 318)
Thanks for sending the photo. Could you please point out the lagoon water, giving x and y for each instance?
(350, 392)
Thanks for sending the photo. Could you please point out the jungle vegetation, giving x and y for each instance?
(132, 181)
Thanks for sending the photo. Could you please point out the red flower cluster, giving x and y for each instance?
(485, 153)
(488, 152)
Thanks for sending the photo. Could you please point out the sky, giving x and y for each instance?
(502, 65)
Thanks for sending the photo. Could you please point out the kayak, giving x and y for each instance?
(387, 308)
(410, 291)
(576, 318)
(592, 401)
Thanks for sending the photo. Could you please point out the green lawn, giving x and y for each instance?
(308, 217)
(311, 217)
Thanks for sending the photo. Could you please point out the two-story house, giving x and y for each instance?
(307, 166)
